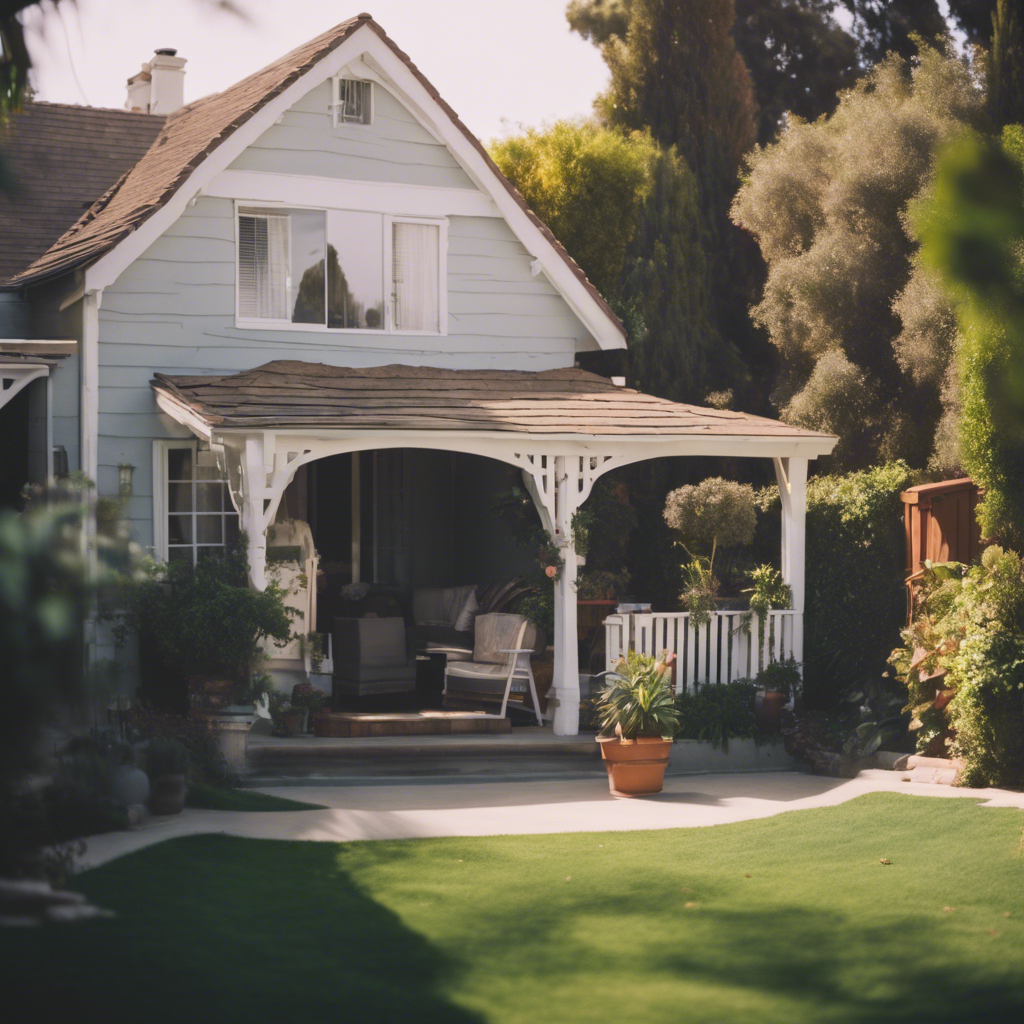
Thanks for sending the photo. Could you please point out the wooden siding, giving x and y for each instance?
(394, 148)
(173, 309)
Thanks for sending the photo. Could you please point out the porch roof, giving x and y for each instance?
(290, 394)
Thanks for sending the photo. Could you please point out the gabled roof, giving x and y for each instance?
(194, 132)
(288, 393)
(62, 159)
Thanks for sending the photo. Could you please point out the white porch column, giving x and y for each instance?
(566, 681)
(792, 477)
(253, 522)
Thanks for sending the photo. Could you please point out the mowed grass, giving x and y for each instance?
(790, 920)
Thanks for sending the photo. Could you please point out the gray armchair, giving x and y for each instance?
(500, 666)
(370, 657)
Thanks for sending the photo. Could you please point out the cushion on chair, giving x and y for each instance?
(494, 633)
(464, 623)
(382, 642)
(439, 606)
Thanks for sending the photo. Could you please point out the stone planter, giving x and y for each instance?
(231, 728)
(167, 794)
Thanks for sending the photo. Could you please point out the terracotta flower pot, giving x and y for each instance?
(294, 722)
(167, 794)
(768, 711)
(635, 767)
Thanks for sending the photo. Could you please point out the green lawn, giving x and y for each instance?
(213, 798)
(789, 920)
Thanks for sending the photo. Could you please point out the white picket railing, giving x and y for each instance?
(731, 646)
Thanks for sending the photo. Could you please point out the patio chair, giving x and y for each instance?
(370, 657)
(500, 665)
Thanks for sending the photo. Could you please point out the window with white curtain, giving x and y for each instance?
(333, 269)
(414, 276)
(264, 258)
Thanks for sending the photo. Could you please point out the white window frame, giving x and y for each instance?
(387, 220)
(161, 500)
(336, 103)
(442, 272)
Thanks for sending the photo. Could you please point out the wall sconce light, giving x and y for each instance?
(124, 479)
(60, 462)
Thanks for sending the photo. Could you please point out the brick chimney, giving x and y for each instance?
(159, 88)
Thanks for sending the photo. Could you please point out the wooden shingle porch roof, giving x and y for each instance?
(289, 394)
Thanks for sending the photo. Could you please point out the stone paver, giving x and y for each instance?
(417, 810)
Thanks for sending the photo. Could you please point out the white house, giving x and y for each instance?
(316, 287)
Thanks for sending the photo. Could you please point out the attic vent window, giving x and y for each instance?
(353, 101)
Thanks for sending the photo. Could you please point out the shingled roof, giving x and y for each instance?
(288, 393)
(62, 159)
(192, 133)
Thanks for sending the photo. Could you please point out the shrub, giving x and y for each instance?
(166, 756)
(717, 712)
(855, 602)
(712, 514)
(987, 713)
(780, 676)
(206, 762)
(203, 619)
(962, 661)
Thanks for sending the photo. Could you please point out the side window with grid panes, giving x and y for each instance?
(200, 517)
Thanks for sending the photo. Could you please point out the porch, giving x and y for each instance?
(561, 430)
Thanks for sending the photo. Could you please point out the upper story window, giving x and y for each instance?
(340, 270)
(353, 102)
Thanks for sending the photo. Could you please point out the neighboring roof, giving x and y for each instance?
(193, 132)
(288, 393)
(62, 158)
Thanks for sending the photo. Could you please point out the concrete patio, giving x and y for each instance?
(432, 808)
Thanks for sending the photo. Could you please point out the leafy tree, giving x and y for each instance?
(589, 185)
(972, 230)
(828, 204)
(628, 213)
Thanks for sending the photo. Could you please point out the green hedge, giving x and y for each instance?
(855, 601)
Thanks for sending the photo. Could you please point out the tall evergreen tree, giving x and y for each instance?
(799, 58)
(1005, 69)
(974, 19)
(889, 26)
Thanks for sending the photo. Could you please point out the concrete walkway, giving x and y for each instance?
(418, 810)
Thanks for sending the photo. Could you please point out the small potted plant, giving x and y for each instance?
(167, 768)
(778, 679)
(288, 719)
(308, 698)
(638, 719)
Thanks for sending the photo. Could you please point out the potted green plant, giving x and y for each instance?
(167, 768)
(308, 698)
(778, 680)
(287, 719)
(638, 719)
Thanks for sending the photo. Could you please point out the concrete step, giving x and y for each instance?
(520, 743)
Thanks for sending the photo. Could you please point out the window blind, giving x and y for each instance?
(263, 261)
(414, 271)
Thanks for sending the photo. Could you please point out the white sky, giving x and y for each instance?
(495, 63)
